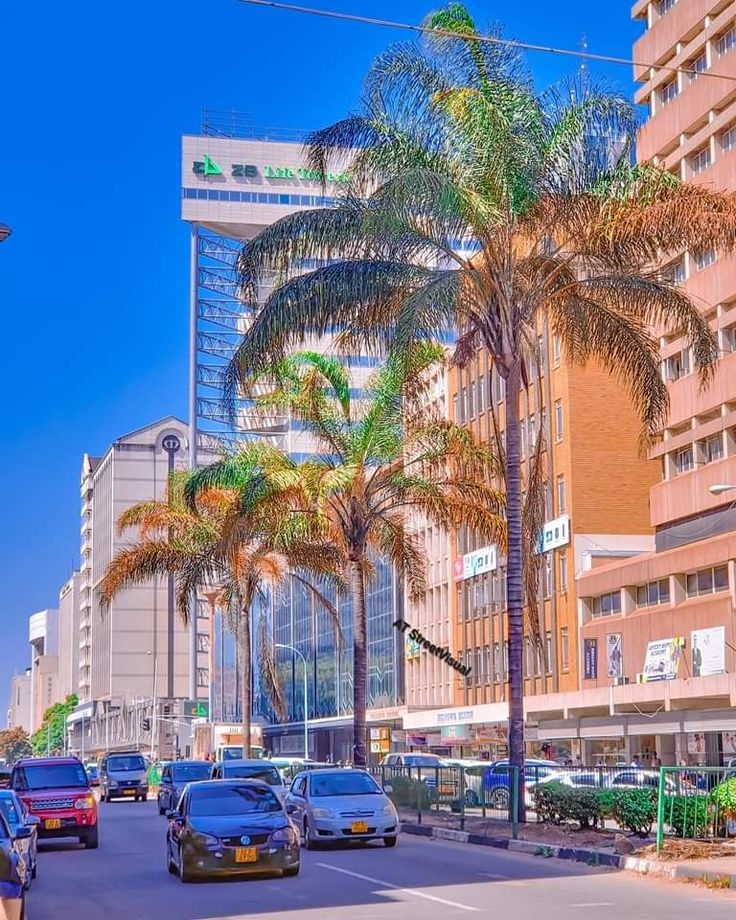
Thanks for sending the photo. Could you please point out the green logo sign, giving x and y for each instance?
(197, 709)
(206, 167)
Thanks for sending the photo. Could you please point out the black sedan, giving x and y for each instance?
(174, 778)
(230, 827)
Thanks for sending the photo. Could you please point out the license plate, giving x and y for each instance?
(359, 827)
(128, 791)
(446, 790)
(246, 854)
(52, 824)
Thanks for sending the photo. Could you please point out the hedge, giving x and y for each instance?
(633, 809)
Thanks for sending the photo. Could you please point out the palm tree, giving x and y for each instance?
(244, 543)
(379, 460)
(453, 142)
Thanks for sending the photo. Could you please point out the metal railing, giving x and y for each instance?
(696, 803)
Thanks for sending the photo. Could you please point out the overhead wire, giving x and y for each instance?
(483, 39)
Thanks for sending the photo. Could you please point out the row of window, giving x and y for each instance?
(213, 194)
(705, 581)
(486, 594)
(490, 664)
(720, 46)
(707, 451)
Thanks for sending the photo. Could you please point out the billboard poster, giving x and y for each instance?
(590, 658)
(663, 659)
(614, 658)
(728, 740)
(708, 649)
(696, 743)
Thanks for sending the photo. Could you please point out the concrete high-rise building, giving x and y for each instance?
(138, 648)
(43, 636)
(69, 602)
(669, 614)
(19, 706)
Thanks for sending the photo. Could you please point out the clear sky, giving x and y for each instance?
(93, 282)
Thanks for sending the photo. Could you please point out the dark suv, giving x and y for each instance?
(56, 790)
(123, 775)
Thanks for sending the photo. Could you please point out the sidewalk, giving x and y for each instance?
(720, 870)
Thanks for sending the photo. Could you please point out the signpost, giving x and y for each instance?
(196, 709)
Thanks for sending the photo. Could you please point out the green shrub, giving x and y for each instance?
(724, 798)
(556, 803)
(411, 793)
(688, 815)
(635, 809)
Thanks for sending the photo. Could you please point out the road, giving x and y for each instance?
(126, 879)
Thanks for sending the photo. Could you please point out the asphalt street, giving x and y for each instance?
(126, 879)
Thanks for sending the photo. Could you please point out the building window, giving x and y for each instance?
(697, 66)
(726, 42)
(556, 350)
(728, 139)
(563, 573)
(700, 160)
(455, 408)
(471, 399)
(529, 656)
(728, 339)
(607, 605)
(707, 581)
(481, 394)
(203, 609)
(677, 365)
(653, 593)
(565, 649)
(547, 575)
(664, 6)
(548, 652)
(559, 420)
(713, 448)
(203, 642)
(542, 356)
(705, 258)
(522, 437)
(496, 663)
(561, 497)
(532, 423)
(203, 677)
(684, 459)
(668, 91)
(463, 404)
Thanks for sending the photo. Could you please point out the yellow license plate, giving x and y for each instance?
(359, 827)
(128, 791)
(52, 824)
(246, 854)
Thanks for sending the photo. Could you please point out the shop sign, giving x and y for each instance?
(662, 661)
(708, 650)
(416, 740)
(590, 658)
(386, 714)
(457, 715)
(458, 732)
(476, 563)
(554, 534)
(208, 167)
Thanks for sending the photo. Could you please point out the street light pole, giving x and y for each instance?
(306, 709)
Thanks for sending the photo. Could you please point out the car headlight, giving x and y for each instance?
(323, 813)
(112, 783)
(284, 835)
(206, 840)
(388, 809)
(87, 802)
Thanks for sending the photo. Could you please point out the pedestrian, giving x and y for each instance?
(636, 762)
(11, 888)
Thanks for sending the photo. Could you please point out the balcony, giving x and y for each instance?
(677, 25)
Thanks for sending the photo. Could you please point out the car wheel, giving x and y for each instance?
(170, 864)
(500, 799)
(389, 841)
(309, 841)
(290, 873)
(34, 870)
(161, 809)
(91, 839)
(184, 874)
(471, 797)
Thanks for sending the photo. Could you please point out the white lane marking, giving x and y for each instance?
(495, 875)
(411, 891)
(594, 904)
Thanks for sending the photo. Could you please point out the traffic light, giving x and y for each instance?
(146, 725)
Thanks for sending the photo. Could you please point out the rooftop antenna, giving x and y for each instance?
(583, 46)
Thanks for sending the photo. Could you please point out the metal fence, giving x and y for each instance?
(696, 803)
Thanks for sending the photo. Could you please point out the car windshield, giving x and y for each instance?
(268, 775)
(232, 800)
(92, 771)
(126, 764)
(417, 760)
(190, 772)
(232, 753)
(343, 784)
(51, 776)
(9, 810)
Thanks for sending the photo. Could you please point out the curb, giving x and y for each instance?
(576, 854)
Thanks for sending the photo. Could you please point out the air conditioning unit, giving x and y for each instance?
(620, 681)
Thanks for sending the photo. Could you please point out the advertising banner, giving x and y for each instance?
(590, 658)
(708, 651)
(614, 657)
(663, 659)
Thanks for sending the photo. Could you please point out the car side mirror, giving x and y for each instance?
(291, 809)
(23, 832)
(388, 789)
(32, 821)
(172, 814)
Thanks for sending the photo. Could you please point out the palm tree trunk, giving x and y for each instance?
(360, 663)
(515, 579)
(244, 655)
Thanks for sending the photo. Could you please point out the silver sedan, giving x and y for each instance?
(335, 804)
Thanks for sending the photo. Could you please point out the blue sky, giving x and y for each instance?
(93, 282)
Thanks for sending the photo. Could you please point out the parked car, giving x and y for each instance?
(636, 778)
(230, 827)
(427, 767)
(473, 771)
(288, 767)
(17, 816)
(261, 770)
(578, 779)
(93, 772)
(5, 772)
(175, 777)
(12, 874)
(56, 790)
(338, 804)
(123, 775)
(497, 780)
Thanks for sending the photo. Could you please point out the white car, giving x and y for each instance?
(262, 770)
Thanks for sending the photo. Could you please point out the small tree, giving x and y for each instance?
(14, 744)
(51, 736)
